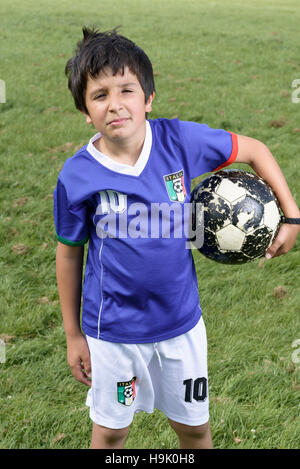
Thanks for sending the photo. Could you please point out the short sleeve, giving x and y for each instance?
(70, 222)
(207, 149)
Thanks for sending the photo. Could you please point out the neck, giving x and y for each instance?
(124, 151)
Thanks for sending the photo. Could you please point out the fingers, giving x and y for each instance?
(79, 360)
(283, 242)
(274, 250)
(82, 372)
(87, 371)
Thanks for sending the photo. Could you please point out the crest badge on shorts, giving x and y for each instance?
(175, 186)
(126, 391)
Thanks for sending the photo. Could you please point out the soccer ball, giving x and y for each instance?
(178, 185)
(241, 216)
(128, 392)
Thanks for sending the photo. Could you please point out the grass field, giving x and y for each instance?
(228, 63)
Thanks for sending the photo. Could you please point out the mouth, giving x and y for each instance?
(118, 121)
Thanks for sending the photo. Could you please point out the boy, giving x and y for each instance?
(145, 344)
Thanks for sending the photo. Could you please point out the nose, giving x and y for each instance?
(115, 102)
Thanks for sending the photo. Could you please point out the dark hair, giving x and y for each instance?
(98, 50)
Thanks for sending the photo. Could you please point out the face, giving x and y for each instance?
(116, 105)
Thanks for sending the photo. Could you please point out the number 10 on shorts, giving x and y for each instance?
(195, 389)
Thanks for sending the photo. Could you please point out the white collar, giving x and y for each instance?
(121, 167)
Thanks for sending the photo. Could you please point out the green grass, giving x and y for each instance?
(228, 63)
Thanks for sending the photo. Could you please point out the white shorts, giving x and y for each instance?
(170, 375)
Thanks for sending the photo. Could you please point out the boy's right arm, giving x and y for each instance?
(69, 264)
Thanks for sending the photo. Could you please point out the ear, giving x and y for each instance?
(87, 118)
(149, 102)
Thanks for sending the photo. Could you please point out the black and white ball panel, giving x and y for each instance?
(241, 216)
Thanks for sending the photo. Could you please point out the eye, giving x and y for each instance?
(127, 91)
(100, 96)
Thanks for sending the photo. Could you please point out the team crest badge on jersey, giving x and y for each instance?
(126, 391)
(175, 186)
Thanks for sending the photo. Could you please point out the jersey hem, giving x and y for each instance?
(168, 335)
(72, 243)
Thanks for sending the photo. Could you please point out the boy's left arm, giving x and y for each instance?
(259, 157)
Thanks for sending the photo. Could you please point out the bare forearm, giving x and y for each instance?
(276, 180)
(69, 277)
(259, 157)
(69, 262)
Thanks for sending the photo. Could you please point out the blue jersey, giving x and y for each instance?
(140, 282)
